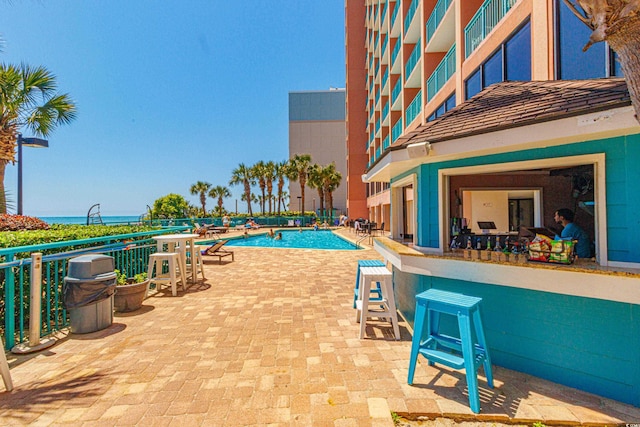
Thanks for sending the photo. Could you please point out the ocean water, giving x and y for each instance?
(130, 219)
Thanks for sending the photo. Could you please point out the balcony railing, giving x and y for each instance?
(385, 143)
(414, 108)
(396, 130)
(436, 17)
(396, 91)
(442, 73)
(375, 44)
(483, 22)
(410, 14)
(385, 111)
(394, 14)
(396, 51)
(413, 60)
(377, 97)
(384, 45)
(377, 125)
(384, 11)
(385, 77)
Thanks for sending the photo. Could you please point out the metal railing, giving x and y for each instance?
(483, 22)
(436, 17)
(442, 73)
(396, 51)
(130, 252)
(414, 108)
(385, 143)
(394, 14)
(396, 130)
(410, 14)
(385, 110)
(397, 88)
(413, 60)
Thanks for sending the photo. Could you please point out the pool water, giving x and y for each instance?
(305, 239)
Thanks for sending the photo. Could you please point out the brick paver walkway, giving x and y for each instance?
(269, 339)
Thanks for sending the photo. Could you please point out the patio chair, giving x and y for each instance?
(218, 250)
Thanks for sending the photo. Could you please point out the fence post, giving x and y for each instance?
(10, 307)
(35, 311)
(4, 370)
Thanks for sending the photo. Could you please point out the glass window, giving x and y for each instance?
(432, 117)
(473, 84)
(450, 103)
(518, 55)
(492, 69)
(573, 63)
(440, 110)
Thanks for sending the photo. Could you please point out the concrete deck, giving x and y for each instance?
(269, 339)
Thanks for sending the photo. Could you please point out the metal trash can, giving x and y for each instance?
(88, 293)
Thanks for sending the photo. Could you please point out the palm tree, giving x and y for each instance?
(201, 188)
(618, 23)
(316, 181)
(298, 172)
(258, 172)
(29, 99)
(270, 176)
(281, 172)
(220, 192)
(242, 175)
(331, 181)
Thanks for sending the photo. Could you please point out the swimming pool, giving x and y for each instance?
(305, 239)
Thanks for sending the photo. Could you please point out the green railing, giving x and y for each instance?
(394, 14)
(385, 111)
(483, 22)
(377, 125)
(436, 17)
(442, 73)
(377, 153)
(384, 45)
(385, 142)
(130, 252)
(414, 108)
(396, 91)
(396, 130)
(384, 13)
(396, 51)
(385, 77)
(413, 60)
(377, 97)
(410, 14)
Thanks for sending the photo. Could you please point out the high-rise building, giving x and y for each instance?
(410, 61)
(317, 128)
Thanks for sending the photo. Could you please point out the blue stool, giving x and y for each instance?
(454, 352)
(377, 291)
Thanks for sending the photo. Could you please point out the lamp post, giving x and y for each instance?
(27, 142)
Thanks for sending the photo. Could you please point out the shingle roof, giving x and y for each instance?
(513, 104)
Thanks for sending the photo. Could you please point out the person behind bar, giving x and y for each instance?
(571, 231)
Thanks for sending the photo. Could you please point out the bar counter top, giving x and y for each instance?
(583, 278)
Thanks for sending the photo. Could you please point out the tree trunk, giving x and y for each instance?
(625, 41)
(3, 199)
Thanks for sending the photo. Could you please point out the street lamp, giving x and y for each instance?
(27, 142)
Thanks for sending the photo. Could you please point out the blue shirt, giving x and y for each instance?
(573, 232)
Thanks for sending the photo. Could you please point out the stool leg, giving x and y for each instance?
(391, 305)
(468, 353)
(172, 276)
(150, 276)
(477, 323)
(433, 326)
(4, 369)
(364, 314)
(417, 337)
(359, 296)
(355, 289)
(200, 263)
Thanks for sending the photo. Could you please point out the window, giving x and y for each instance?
(444, 107)
(572, 62)
(512, 61)
(518, 55)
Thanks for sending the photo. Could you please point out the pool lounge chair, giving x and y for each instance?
(218, 250)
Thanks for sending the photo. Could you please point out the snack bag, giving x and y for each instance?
(562, 251)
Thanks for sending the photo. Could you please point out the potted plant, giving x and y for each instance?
(130, 291)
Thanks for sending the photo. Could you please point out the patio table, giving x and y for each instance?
(173, 240)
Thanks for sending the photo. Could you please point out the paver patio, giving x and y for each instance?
(269, 339)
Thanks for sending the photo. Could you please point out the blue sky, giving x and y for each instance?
(168, 92)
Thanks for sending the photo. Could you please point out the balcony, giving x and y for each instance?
(412, 80)
(385, 111)
(394, 15)
(441, 27)
(395, 93)
(384, 48)
(484, 21)
(396, 130)
(410, 14)
(384, 14)
(396, 51)
(442, 73)
(385, 77)
(377, 126)
(414, 108)
(377, 97)
(385, 143)
(411, 25)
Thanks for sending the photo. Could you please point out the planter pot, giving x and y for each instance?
(129, 297)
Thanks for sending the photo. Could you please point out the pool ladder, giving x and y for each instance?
(361, 240)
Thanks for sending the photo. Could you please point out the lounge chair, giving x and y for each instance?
(218, 250)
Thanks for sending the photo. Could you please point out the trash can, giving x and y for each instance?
(88, 293)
